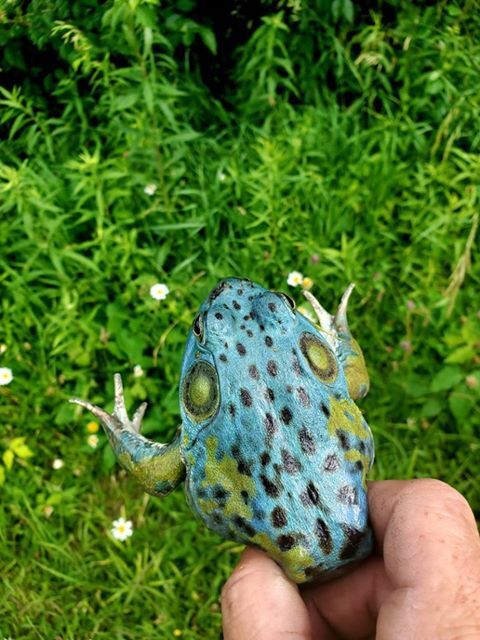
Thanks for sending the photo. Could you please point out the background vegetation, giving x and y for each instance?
(327, 137)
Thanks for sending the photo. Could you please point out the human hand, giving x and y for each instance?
(423, 583)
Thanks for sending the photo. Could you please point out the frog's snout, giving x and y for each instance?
(225, 284)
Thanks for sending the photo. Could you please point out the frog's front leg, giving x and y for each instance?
(157, 467)
(346, 347)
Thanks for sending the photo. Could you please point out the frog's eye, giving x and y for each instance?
(320, 358)
(290, 301)
(198, 326)
(200, 391)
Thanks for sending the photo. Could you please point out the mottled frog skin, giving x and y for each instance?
(272, 447)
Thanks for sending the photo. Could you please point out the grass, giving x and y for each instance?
(350, 157)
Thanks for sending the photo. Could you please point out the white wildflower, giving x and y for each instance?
(6, 375)
(57, 463)
(92, 441)
(295, 278)
(122, 529)
(150, 189)
(159, 291)
(137, 371)
(3, 348)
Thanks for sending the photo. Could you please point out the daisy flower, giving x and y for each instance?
(122, 529)
(6, 375)
(159, 291)
(295, 278)
(93, 427)
(307, 283)
(150, 189)
(92, 441)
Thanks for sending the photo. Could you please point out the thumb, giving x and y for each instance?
(259, 601)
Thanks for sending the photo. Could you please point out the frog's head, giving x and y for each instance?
(238, 308)
(244, 332)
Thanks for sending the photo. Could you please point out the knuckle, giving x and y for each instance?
(443, 494)
(437, 498)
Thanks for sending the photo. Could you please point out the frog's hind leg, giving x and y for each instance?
(346, 347)
(157, 467)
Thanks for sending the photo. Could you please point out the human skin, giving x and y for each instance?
(422, 583)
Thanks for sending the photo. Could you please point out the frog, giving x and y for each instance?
(272, 448)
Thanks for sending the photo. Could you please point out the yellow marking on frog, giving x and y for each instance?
(354, 456)
(165, 470)
(356, 372)
(224, 472)
(294, 561)
(345, 415)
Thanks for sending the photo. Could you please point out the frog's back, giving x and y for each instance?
(282, 464)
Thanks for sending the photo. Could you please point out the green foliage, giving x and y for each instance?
(344, 143)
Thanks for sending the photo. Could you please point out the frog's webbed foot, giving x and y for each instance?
(118, 419)
(158, 467)
(345, 346)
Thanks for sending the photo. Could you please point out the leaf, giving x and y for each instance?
(16, 443)
(446, 378)
(148, 96)
(123, 102)
(132, 345)
(64, 414)
(348, 11)
(432, 407)
(461, 404)
(24, 452)
(208, 38)
(8, 457)
(461, 355)
(108, 459)
(2, 476)
(416, 386)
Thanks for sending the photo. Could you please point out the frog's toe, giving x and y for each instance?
(99, 413)
(325, 319)
(341, 323)
(120, 410)
(138, 417)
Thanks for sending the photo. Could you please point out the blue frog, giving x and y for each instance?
(273, 450)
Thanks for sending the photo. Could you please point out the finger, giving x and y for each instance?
(426, 529)
(349, 605)
(432, 556)
(382, 500)
(259, 602)
(408, 520)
